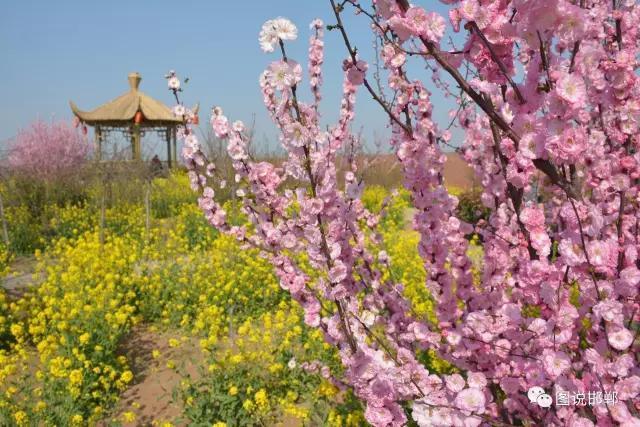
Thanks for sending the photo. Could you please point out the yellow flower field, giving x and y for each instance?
(61, 361)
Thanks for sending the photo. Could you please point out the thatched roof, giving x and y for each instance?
(122, 110)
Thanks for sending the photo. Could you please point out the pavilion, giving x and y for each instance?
(134, 114)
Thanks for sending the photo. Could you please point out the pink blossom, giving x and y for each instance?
(435, 27)
(393, 56)
(429, 25)
(571, 252)
(378, 416)
(387, 8)
(219, 123)
(628, 388)
(555, 362)
(578, 421)
(426, 416)
(314, 206)
(237, 151)
(355, 73)
(602, 253)
(283, 75)
(541, 243)
(477, 380)
(469, 9)
(454, 382)
(572, 24)
(218, 218)
(571, 88)
(609, 310)
(401, 27)
(533, 217)
(338, 272)
(630, 275)
(417, 19)
(471, 400)
(621, 414)
(620, 338)
(568, 146)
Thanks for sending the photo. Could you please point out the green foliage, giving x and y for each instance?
(470, 208)
(170, 193)
(6, 319)
(254, 375)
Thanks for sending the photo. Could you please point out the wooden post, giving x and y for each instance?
(135, 143)
(98, 143)
(168, 135)
(5, 234)
(174, 137)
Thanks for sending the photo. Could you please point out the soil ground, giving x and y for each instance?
(150, 394)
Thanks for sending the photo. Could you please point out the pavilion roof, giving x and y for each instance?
(122, 110)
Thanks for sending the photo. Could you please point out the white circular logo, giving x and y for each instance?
(534, 393)
(544, 400)
(540, 397)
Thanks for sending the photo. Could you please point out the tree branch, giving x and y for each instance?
(543, 165)
(352, 53)
(474, 27)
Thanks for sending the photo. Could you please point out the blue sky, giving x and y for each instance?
(53, 52)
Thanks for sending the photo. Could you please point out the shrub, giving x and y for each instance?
(45, 163)
(470, 207)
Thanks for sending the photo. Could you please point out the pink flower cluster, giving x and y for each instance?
(549, 103)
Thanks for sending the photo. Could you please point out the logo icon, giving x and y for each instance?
(538, 396)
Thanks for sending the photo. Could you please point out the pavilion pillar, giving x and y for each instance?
(135, 143)
(174, 143)
(98, 143)
(168, 138)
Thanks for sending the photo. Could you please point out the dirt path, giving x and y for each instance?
(20, 277)
(150, 395)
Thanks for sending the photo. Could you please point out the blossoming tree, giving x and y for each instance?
(48, 151)
(548, 99)
(44, 163)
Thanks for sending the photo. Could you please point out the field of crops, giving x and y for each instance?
(158, 319)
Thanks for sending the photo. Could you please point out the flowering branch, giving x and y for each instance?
(474, 27)
(554, 303)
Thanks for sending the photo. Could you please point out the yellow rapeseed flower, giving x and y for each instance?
(248, 405)
(261, 398)
(75, 377)
(128, 417)
(126, 377)
(84, 338)
(20, 417)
